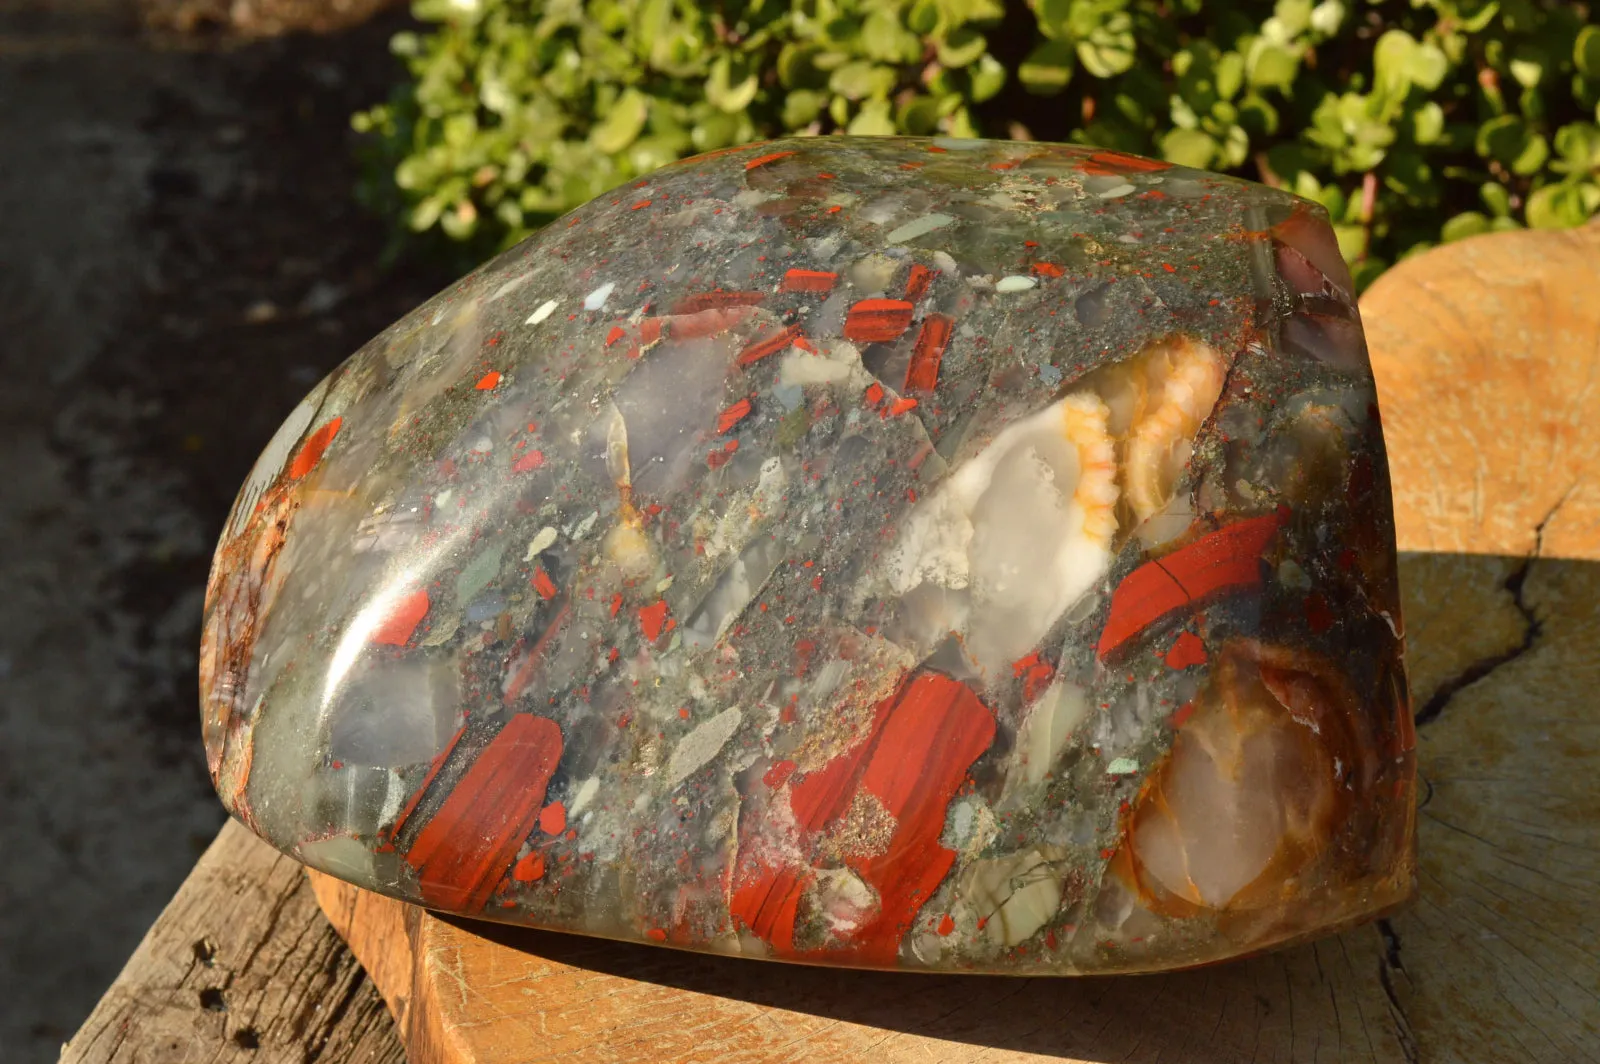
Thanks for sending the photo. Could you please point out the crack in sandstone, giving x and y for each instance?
(1533, 626)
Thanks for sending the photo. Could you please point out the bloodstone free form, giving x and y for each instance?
(930, 554)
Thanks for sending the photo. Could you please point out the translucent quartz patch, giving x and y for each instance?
(962, 556)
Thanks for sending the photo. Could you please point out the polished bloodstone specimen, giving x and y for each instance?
(953, 555)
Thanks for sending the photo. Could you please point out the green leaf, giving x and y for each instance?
(1509, 140)
(828, 60)
(654, 152)
(1130, 107)
(884, 39)
(797, 67)
(960, 124)
(509, 214)
(460, 223)
(860, 79)
(1187, 147)
(923, 18)
(1496, 198)
(802, 107)
(678, 53)
(413, 173)
(716, 129)
(730, 87)
(1556, 207)
(973, 10)
(873, 121)
(1586, 51)
(1391, 61)
(1463, 225)
(1533, 157)
(1475, 23)
(1235, 148)
(1327, 17)
(425, 213)
(1293, 16)
(1527, 72)
(1195, 67)
(1359, 159)
(1408, 173)
(988, 77)
(1530, 102)
(1105, 60)
(1578, 144)
(919, 116)
(622, 123)
(1048, 68)
(1352, 240)
(843, 31)
(1271, 66)
(1228, 77)
(1303, 184)
(460, 130)
(1053, 17)
(1363, 122)
(1427, 123)
(1258, 116)
(1327, 124)
(1108, 48)
(1183, 116)
(1184, 60)
(1426, 66)
(651, 19)
(962, 46)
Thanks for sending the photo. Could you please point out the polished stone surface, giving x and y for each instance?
(953, 555)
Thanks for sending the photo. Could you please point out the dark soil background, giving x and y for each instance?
(180, 260)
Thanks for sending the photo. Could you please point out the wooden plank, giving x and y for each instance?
(241, 966)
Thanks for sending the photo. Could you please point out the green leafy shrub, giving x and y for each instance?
(1412, 121)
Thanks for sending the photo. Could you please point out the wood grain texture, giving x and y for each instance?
(1491, 392)
(240, 967)
(1488, 360)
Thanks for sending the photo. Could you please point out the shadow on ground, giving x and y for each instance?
(180, 259)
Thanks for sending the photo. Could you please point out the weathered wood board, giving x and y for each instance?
(240, 967)
(1488, 361)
